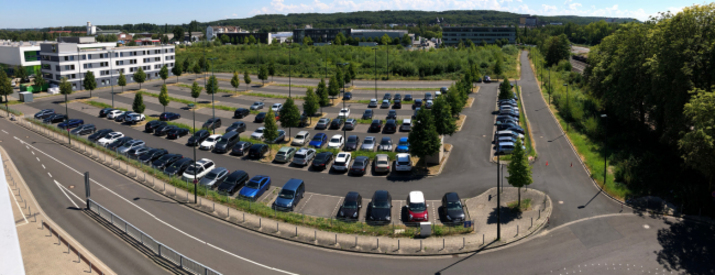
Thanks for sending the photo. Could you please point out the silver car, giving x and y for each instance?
(257, 105)
(304, 156)
(130, 145)
(214, 178)
(368, 144)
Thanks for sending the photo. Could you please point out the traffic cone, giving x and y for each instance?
(572, 164)
(547, 163)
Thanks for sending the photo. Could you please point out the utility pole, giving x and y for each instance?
(605, 152)
(375, 49)
(213, 108)
(290, 68)
(568, 104)
(498, 201)
(111, 73)
(197, 144)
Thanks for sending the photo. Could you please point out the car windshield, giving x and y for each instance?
(256, 103)
(192, 169)
(417, 207)
(352, 139)
(386, 142)
(350, 205)
(381, 204)
(281, 153)
(286, 194)
(299, 155)
(341, 155)
(322, 157)
(405, 143)
(454, 205)
(317, 138)
(253, 184)
(334, 140)
(382, 162)
(211, 175)
(299, 137)
(211, 139)
(368, 141)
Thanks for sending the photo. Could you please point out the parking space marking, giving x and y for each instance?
(33, 153)
(43, 167)
(337, 206)
(4, 132)
(305, 203)
(48, 173)
(38, 159)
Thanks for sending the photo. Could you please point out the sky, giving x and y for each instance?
(47, 13)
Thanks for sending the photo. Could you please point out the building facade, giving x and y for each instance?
(263, 37)
(73, 61)
(319, 35)
(216, 31)
(360, 34)
(25, 54)
(451, 36)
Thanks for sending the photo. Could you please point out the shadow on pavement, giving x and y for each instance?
(687, 247)
(506, 215)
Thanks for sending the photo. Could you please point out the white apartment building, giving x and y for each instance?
(25, 54)
(72, 58)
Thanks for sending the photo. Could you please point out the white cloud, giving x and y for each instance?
(574, 6)
(567, 1)
(547, 8)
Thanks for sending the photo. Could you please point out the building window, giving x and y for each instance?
(157, 58)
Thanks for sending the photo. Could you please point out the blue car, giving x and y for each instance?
(403, 146)
(255, 187)
(290, 195)
(72, 123)
(318, 140)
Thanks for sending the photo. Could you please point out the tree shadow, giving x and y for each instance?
(686, 246)
(507, 215)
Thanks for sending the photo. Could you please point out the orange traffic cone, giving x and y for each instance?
(547, 163)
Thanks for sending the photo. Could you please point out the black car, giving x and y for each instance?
(166, 160)
(55, 118)
(198, 137)
(387, 96)
(152, 155)
(347, 96)
(352, 143)
(397, 97)
(238, 126)
(336, 123)
(84, 129)
(390, 126)
(152, 125)
(360, 165)
(351, 206)
(452, 208)
(391, 114)
(241, 113)
(260, 117)
(118, 143)
(233, 182)
(226, 143)
(376, 125)
(135, 153)
(99, 134)
(168, 116)
(397, 104)
(177, 168)
(367, 114)
(380, 208)
(177, 133)
(212, 124)
(161, 131)
(322, 160)
(510, 126)
(408, 97)
(257, 151)
(241, 148)
(417, 104)
(44, 113)
(104, 112)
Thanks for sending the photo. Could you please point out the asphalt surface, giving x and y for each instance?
(570, 242)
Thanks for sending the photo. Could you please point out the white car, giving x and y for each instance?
(373, 103)
(344, 112)
(301, 138)
(111, 137)
(437, 94)
(428, 104)
(336, 142)
(210, 142)
(277, 107)
(342, 161)
(198, 169)
(403, 163)
(135, 118)
(258, 134)
(114, 114)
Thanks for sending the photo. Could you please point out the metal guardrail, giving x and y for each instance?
(158, 248)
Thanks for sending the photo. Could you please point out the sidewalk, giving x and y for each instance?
(42, 251)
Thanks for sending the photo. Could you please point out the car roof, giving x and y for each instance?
(406, 120)
(451, 196)
(387, 138)
(230, 134)
(382, 157)
(219, 169)
(304, 150)
(320, 135)
(204, 160)
(285, 149)
(403, 139)
(352, 196)
(361, 158)
(302, 132)
(381, 195)
(370, 138)
(403, 156)
(214, 136)
(336, 136)
(506, 143)
(292, 184)
(417, 196)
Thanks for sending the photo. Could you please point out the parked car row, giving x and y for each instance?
(379, 210)
(508, 129)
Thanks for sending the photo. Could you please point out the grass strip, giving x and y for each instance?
(396, 89)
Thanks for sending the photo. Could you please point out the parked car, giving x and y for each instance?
(417, 104)
(109, 138)
(114, 114)
(122, 117)
(342, 161)
(443, 89)
(238, 126)
(130, 145)
(347, 96)
(198, 170)
(352, 143)
(303, 120)
(226, 143)
(403, 146)
(212, 124)
(152, 155)
(169, 116)
(99, 134)
(385, 104)
(255, 188)
(397, 104)
(177, 133)
(344, 113)
(367, 114)
(166, 160)
(406, 125)
(376, 125)
(503, 117)
(437, 94)
(290, 195)
(428, 96)
(408, 97)
(301, 138)
(510, 126)
(138, 152)
(360, 165)
(323, 123)
(241, 113)
(260, 117)
(336, 142)
(55, 118)
(118, 143)
(368, 144)
(390, 126)
(487, 79)
(350, 209)
(391, 114)
(387, 96)
(452, 208)
(84, 129)
(257, 151)
(104, 112)
(241, 148)
(285, 154)
(428, 104)
(509, 133)
(198, 137)
(373, 103)
(280, 139)
(417, 207)
(69, 124)
(134, 118)
(506, 148)
(350, 124)
(380, 209)
(257, 105)
(214, 177)
(304, 156)
(403, 163)
(210, 142)
(319, 140)
(397, 97)
(277, 107)
(381, 163)
(336, 123)
(162, 131)
(44, 113)
(258, 133)
(177, 168)
(322, 160)
(150, 126)
(233, 182)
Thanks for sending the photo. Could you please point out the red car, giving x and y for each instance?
(417, 207)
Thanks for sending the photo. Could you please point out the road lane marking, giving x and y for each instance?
(17, 203)
(43, 167)
(68, 197)
(5, 132)
(33, 152)
(49, 174)
(145, 211)
(38, 159)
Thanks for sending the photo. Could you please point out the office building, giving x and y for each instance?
(25, 54)
(374, 34)
(216, 31)
(451, 36)
(328, 35)
(73, 57)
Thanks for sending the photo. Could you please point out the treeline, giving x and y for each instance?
(590, 34)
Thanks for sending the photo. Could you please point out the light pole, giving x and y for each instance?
(375, 49)
(498, 200)
(342, 65)
(111, 74)
(568, 104)
(290, 68)
(197, 143)
(549, 86)
(213, 88)
(387, 64)
(605, 152)
(205, 63)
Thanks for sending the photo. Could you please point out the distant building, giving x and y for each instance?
(263, 37)
(24, 54)
(326, 35)
(451, 36)
(359, 34)
(216, 31)
(530, 21)
(556, 23)
(281, 37)
(610, 20)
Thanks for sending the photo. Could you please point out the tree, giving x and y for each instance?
(212, 88)
(187, 65)
(122, 81)
(698, 145)
(443, 117)
(164, 97)
(519, 169)
(139, 77)
(138, 104)
(290, 115)
(177, 70)
(307, 40)
(385, 40)
(164, 73)
(557, 48)
(202, 63)
(178, 33)
(333, 86)
(406, 40)
(263, 74)
(5, 88)
(505, 90)
(322, 91)
(65, 89)
(196, 69)
(195, 90)
(424, 139)
(40, 81)
(498, 66)
(225, 39)
(455, 100)
(272, 69)
(311, 103)
(270, 132)
(247, 79)
(89, 82)
(346, 77)
(131, 43)
(235, 82)
(351, 72)
(251, 40)
(20, 72)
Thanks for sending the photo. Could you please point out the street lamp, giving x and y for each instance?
(568, 104)
(498, 200)
(375, 49)
(344, 118)
(193, 107)
(290, 68)
(111, 73)
(214, 88)
(605, 152)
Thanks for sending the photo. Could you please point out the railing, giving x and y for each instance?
(158, 248)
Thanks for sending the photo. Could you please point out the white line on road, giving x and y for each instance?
(5, 132)
(33, 152)
(247, 260)
(43, 167)
(49, 174)
(17, 203)
(63, 191)
(38, 159)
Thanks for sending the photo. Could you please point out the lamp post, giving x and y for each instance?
(205, 64)
(605, 152)
(498, 200)
(387, 64)
(111, 73)
(568, 104)
(290, 68)
(375, 49)
(342, 65)
(549, 86)
(193, 107)
(214, 88)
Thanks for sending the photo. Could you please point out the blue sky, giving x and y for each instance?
(46, 13)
